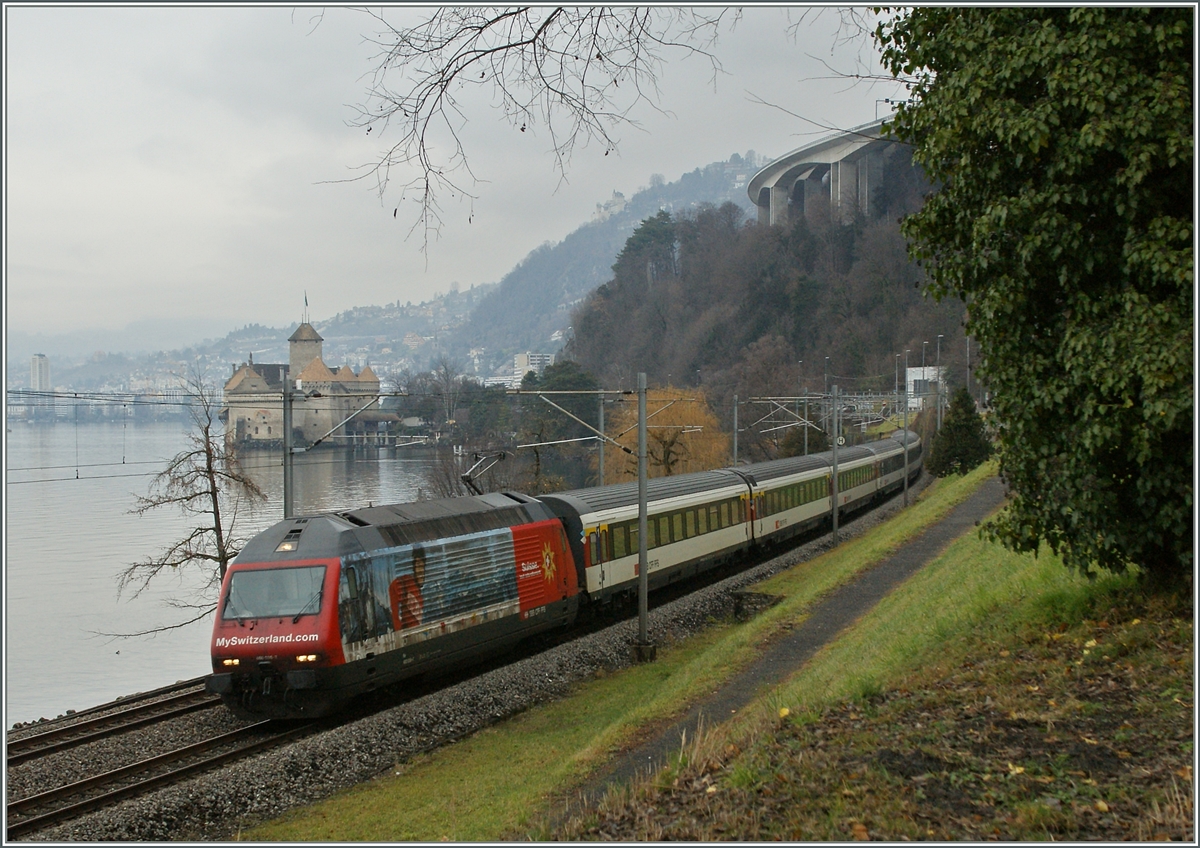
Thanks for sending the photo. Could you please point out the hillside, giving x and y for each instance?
(479, 328)
(531, 308)
(705, 297)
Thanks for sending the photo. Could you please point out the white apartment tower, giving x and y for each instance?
(39, 373)
(523, 363)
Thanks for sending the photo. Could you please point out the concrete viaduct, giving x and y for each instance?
(836, 177)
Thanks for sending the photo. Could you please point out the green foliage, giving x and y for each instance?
(1061, 139)
(562, 465)
(706, 298)
(961, 445)
(794, 443)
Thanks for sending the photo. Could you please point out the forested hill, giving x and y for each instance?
(530, 310)
(707, 298)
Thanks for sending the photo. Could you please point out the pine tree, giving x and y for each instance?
(961, 445)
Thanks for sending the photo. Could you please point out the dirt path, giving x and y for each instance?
(830, 617)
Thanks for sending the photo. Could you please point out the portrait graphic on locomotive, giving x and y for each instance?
(318, 609)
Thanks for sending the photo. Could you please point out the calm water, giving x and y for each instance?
(69, 534)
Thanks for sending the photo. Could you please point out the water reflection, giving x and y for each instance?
(69, 533)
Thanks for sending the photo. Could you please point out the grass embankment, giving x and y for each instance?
(1036, 706)
(503, 782)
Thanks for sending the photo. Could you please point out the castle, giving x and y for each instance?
(322, 399)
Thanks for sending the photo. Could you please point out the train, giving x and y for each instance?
(319, 609)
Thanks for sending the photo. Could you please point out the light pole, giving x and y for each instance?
(896, 387)
(924, 379)
(906, 428)
(799, 379)
(643, 651)
(939, 381)
(825, 399)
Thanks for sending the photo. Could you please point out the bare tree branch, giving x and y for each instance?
(581, 72)
(204, 481)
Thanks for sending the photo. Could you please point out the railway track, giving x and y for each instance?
(35, 812)
(109, 724)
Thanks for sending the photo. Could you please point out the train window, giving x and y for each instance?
(713, 518)
(633, 539)
(275, 592)
(605, 546)
(702, 519)
(594, 549)
(664, 530)
(690, 522)
(651, 540)
(725, 514)
(618, 537)
(677, 526)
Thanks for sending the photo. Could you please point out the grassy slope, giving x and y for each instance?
(992, 696)
(528, 763)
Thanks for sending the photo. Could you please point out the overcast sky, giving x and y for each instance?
(176, 165)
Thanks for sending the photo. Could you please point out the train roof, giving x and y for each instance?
(392, 525)
(891, 442)
(759, 472)
(657, 489)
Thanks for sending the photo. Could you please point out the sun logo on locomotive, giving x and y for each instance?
(549, 568)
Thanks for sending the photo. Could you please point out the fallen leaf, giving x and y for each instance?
(1101, 807)
(783, 712)
(1002, 653)
(1015, 769)
(1090, 643)
(860, 832)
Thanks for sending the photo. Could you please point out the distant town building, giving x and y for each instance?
(608, 208)
(323, 399)
(523, 363)
(39, 381)
(39, 373)
(923, 386)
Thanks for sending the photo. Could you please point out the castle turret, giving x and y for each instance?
(304, 346)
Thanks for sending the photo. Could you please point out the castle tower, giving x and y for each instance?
(304, 346)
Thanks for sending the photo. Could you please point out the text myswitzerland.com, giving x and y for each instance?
(235, 641)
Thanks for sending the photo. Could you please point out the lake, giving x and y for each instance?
(69, 534)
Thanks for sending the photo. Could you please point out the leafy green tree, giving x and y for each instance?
(961, 445)
(1061, 141)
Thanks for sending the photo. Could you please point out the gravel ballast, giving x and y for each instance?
(217, 805)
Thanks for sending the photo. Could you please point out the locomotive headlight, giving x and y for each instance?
(306, 658)
(228, 662)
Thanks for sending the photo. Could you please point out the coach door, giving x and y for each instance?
(597, 548)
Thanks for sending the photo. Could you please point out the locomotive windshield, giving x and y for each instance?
(275, 593)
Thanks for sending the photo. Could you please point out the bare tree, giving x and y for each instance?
(206, 482)
(448, 378)
(578, 71)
